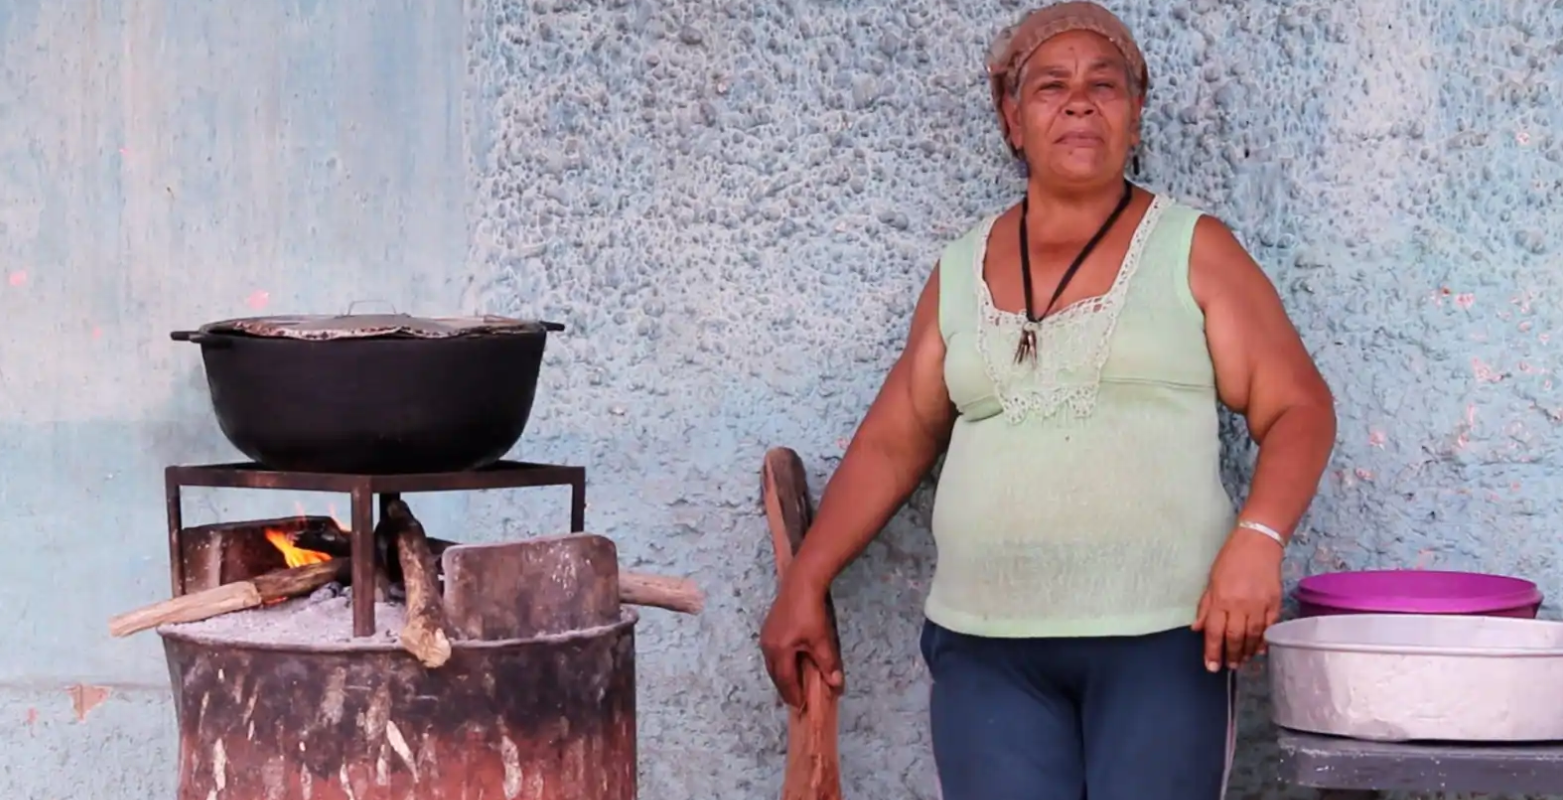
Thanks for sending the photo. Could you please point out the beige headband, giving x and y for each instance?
(1016, 44)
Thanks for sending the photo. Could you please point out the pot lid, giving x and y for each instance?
(365, 326)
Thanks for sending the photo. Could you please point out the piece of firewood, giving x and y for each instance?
(813, 755)
(661, 591)
(384, 556)
(426, 633)
(228, 552)
(320, 534)
(230, 597)
(636, 588)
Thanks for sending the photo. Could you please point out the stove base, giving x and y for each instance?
(549, 718)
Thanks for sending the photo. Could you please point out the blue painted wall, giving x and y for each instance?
(164, 164)
(732, 205)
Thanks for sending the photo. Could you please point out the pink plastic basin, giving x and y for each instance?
(1417, 592)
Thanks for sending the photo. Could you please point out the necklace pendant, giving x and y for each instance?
(1027, 349)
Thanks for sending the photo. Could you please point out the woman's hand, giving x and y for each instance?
(1242, 599)
(796, 628)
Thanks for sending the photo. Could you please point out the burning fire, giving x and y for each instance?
(294, 555)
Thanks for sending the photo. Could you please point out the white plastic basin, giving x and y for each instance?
(1404, 677)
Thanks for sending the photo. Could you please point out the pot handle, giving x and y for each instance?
(553, 327)
(197, 337)
(357, 303)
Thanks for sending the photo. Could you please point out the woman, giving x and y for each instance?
(1094, 589)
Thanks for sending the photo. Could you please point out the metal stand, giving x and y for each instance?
(1366, 768)
(363, 489)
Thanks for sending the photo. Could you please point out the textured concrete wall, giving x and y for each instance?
(732, 205)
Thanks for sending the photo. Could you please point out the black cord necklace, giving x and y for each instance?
(1028, 335)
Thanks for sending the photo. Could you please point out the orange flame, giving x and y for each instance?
(294, 555)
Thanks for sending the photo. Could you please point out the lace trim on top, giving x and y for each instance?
(1072, 343)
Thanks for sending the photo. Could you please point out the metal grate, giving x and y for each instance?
(363, 489)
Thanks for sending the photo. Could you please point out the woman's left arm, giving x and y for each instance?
(1263, 372)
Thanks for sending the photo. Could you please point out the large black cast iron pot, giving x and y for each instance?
(382, 394)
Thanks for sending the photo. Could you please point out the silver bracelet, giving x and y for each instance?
(1266, 530)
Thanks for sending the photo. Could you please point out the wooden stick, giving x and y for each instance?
(430, 638)
(384, 545)
(813, 757)
(426, 634)
(661, 591)
(231, 597)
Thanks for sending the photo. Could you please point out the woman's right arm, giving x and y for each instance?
(901, 436)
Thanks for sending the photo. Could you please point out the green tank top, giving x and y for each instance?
(1081, 493)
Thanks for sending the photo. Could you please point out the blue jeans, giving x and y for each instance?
(1104, 718)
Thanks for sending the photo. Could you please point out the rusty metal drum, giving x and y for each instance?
(550, 717)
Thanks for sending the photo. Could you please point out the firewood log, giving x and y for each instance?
(426, 634)
(230, 597)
